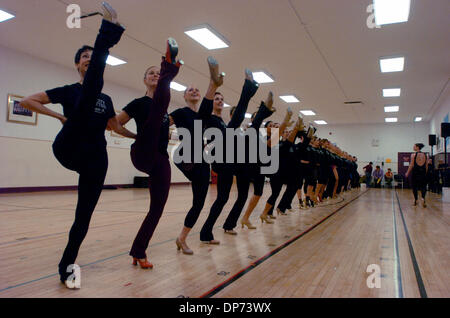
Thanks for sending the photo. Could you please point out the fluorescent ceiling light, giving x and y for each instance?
(290, 99)
(417, 119)
(261, 77)
(392, 92)
(394, 64)
(308, 112)
(247, 115)
(177, 87)
(320, 122)
(208, 37)
(114, 61)
(5, 16)
(226, 105)
(391, 120)
(391, 11)
(391, 109)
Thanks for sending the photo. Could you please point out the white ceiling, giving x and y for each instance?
(320, 50)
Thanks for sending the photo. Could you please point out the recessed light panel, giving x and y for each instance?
(177, 87)
(208, 37)
(391, 11)
(394, 64)
(391, 109)
(114, 61)
(4, 16)
(392, 92)
(262, 78)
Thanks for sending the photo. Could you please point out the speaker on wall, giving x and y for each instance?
(445, 130)
(432, 140)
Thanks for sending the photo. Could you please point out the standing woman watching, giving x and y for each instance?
(149, 152)
(80, 146)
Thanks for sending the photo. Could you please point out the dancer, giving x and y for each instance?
(256, 176)
(227, 171)
(80, 145)
(244, 171)
(296, 174)
(288, 172)
(418, 170)
(197, 173)
(149, 152)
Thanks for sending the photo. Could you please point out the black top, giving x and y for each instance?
(186, 117)
(95, 125)
(139, 109)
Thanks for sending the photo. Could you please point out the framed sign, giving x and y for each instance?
(18, 114)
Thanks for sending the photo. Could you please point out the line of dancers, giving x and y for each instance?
(320, 168)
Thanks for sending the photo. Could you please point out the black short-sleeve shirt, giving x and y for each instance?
(95, 124)
(139, 110)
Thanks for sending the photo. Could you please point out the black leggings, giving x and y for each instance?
(199, 175)
(84, 154)
(243, 185)
(224, 183)
(419, 182)
(147, 158)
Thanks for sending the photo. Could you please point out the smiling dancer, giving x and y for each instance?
(197, 173)
(227, 171)
(259, 178)
(80, 145)
(149, 152)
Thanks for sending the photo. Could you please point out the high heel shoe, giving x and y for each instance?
(172, 52)
(145, 264)
(214, 71)
(269, 102)
(180, 246)
(109, 13)
(272, 217)
(281, 212)
(231, 232)
(265, 219)
(248, 224)
(212, 242)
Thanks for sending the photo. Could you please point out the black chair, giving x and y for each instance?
(398, 179)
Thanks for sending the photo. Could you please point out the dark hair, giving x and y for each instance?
(267, 123)
(217, 93)
(378, 167)
(420, 146)
(371, 163)
(81, 51)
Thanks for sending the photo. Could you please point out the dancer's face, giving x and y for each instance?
(83, 65)
(192, 94)
(152, 76)
(218, 102)
(416, 148)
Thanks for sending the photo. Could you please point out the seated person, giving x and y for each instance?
(378, 177)
(388, 178)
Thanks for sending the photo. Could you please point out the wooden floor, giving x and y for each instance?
(329, 260)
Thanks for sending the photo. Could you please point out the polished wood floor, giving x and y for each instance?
(329, 260)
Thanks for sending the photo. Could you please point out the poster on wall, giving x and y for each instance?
(18, 114)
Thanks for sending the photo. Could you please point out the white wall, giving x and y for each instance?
(439, 116)
(392, 138)
(26, 156)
